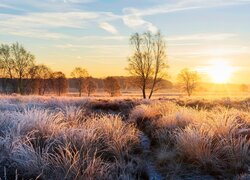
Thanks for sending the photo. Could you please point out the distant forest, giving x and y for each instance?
(34, 86)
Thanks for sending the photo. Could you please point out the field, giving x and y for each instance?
(79, 138)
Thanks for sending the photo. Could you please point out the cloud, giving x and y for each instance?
(33, 33)
(108, 27)
(4, 6)
(133, 20)
(202, 37)
(95, 46)
(65, 15)
(78, 57)
(40, 25)
(226, 51)
(79, 1)
(218, 51)
(182, 5)
(67, 19)
(74, 1)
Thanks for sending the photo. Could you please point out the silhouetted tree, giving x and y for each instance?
(112, 86)
(148, 62)
(79, 74)
(188, 80)
(91, 86)
(23, 61)
(59, 82)
(243, 88)
(7, 66)
(40, 78)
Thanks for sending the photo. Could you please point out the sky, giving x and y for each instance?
(94, 34)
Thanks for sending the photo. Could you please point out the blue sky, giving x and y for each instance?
(95, 33)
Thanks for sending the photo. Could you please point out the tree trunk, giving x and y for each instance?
(144, 89)
(152, 90)
(144, 92)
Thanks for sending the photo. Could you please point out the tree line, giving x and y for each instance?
(147, 66)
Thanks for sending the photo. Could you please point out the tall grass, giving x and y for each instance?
(67, 138)
(67, 143)
(187, 140)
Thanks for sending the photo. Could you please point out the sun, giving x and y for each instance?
(220, 71)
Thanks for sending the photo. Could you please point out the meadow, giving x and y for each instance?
(84, 138)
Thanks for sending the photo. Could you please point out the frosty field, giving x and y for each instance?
(79, 138)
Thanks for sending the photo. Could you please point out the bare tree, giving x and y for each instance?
(7, 65)
(112, 86)
(90, 86)
(244, 88)
(23, 61)
(159, 57)
(188, 80)
(59, 82)
(40, 75)
(79, 74)
(6, 61)
(148, 62)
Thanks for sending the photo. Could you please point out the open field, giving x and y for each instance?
(165, 93)
(124, 90)
(78, 138)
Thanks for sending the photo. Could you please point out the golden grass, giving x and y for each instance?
(53, 138)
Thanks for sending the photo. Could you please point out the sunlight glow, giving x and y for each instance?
(220, 71)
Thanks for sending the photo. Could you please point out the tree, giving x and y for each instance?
(148, 62)
(112, 86)
(90, 86)
(6, 66)
(188, 80)
(243, 88)
(40, 75)
(23, 61)
(59, 82)
(79, 74)
(6, 61)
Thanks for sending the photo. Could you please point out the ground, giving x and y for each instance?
(164, 138)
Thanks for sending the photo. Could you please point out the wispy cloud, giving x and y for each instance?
(108, 27)
(220, 51)
(70, 46)
(135, 17)
(40, 25)
(132, 20)
(76, 1)
(68, 17)
(47, 20)
(4, 6)
(35, 34)
(225, 51)
(202, 37)
(182, 5)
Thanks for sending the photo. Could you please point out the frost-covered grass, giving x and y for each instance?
(188, 142)
(51, 138)
(77, 138)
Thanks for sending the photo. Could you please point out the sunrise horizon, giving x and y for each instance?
(124, 89)
(95, 35)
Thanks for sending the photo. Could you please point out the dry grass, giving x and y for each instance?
(185, 140)
(67, 138)
(67, 143)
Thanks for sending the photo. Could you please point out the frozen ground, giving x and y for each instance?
(79, 138)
